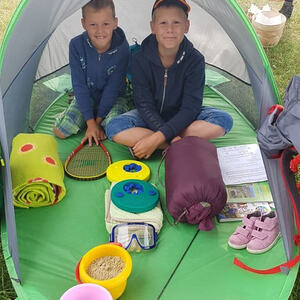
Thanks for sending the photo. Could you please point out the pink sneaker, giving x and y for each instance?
(242, 235)
(265, 234)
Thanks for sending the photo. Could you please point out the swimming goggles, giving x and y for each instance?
(134, 236)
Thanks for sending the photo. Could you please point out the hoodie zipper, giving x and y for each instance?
(164, 91)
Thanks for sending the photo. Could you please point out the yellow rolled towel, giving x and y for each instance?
(36, 170)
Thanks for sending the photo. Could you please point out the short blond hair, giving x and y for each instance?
(99, 4)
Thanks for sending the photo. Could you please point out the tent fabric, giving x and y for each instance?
(52, 15)
(8, 200)
(53, 239)
(20, 67)
(55, 54)
(238, 51)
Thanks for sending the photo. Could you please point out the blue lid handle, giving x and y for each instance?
(152, 192)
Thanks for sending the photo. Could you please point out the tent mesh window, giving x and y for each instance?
(45, 91)
(239, 93)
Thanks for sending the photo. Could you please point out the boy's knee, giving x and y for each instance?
(116, 138)
(116, 126)
(217, 117)
(58, 134)
(228, 122)
(224, 120)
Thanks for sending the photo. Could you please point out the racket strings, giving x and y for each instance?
(90, 161)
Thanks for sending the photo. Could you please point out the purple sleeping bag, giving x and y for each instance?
(195, 191)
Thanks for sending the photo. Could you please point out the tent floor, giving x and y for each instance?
(185, 264)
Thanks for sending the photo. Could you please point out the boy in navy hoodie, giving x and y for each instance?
(98, 61)
(168, 77)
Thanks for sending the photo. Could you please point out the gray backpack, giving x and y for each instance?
(281, 128)
(278, 133)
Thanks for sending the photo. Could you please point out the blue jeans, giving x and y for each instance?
(133, 119)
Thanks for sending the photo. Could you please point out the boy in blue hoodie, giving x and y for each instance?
(168, 77)
(98, 60)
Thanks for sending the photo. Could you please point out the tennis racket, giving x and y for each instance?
(88, 162)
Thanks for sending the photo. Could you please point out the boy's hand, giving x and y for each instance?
(93, 132)
(147, 145)
(176, 138)
(102, 132)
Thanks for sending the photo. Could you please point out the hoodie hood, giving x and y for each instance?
(149, 47)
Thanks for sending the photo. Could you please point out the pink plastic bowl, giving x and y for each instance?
(87, 291)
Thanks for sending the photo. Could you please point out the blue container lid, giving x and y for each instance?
(135, 196)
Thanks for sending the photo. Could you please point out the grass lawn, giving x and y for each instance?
(284, 59)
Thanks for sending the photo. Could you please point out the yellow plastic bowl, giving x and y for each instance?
(116, 285)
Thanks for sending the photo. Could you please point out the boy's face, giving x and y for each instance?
(169, 24)
(99, 25)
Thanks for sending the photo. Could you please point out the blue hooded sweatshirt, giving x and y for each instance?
(98, 77)
(170, 99)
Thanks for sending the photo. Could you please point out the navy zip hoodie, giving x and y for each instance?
(98, 77)
(170, 99)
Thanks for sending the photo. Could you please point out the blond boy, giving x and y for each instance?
(168, 76)
(98, 61)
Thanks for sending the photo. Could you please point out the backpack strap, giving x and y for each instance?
(290, 184)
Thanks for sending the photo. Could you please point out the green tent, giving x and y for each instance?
(43, 245)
